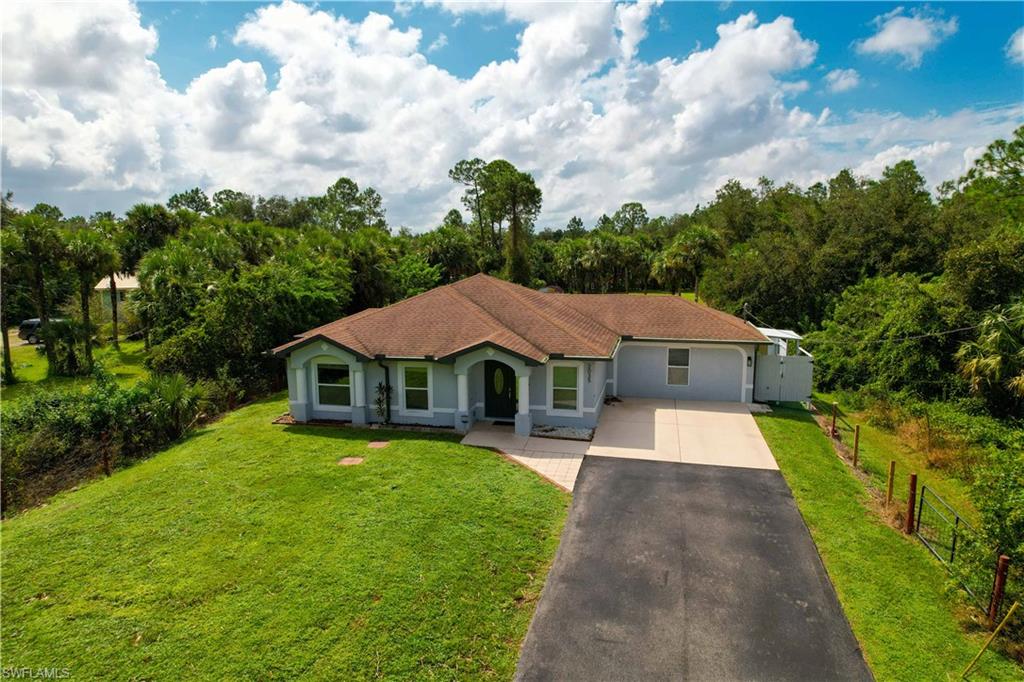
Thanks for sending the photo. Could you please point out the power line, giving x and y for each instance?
(913, 337)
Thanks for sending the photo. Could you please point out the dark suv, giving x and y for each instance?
(32, 330)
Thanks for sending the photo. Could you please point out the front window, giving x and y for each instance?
(332, 385)
(564, 388)
(678, 366)
(417, 388)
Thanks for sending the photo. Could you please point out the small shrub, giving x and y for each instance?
(225, 392)
(67, 338)
(382, 400)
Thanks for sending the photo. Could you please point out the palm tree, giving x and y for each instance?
(993, 364)
(634, 263)
(697, 245)
(12, 275)
(670, 267)
(111, 230)
(41, 254)
(568, 254)
(175, 402)
(91, 255)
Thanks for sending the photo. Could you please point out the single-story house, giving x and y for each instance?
(486, 349)
(125, 284)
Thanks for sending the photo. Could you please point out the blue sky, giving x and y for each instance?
(970, 68)
(114, 103)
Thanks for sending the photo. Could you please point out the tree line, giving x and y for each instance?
(815, 259)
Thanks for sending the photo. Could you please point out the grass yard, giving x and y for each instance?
(891, 587)
(245, 551)
(688, 295)
(30, 367)
(878, 447)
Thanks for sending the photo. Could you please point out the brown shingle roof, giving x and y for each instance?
(483, 310)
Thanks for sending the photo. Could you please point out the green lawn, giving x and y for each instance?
(247, 552)
(688, 295)
(890, 585)
(878, 447)
(30, 368)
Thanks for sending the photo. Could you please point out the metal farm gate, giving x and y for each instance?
(783, 378)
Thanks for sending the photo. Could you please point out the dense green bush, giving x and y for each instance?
(52, 439)
(882, 335)
(998, 493)
(240, 320)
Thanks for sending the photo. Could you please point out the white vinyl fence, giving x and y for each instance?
(783, 378)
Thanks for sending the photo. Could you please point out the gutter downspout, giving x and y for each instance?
(754, 380)
(387, 391)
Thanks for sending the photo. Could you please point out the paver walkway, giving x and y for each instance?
(555, 459)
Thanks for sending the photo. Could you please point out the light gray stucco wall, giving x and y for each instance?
(716, 372)
(592, 395)
(443, 388)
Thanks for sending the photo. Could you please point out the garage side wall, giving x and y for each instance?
(717, 372)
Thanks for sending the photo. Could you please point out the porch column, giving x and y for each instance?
(463, 381)
(524, 424)
(358, 384)
(463, 419)
(299, 405)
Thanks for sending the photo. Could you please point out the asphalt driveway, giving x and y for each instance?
(686, 571)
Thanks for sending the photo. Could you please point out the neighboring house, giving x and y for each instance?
(483, 348)
(126, 284)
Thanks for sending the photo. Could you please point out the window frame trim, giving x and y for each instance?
(402, 409)
(317, 405)
(551, 409)
(688, 365)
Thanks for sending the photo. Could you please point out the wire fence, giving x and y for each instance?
(955, 543)
(942, 529)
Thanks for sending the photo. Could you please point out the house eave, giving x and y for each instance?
(650, 339)
(285, 352)
(451, 357)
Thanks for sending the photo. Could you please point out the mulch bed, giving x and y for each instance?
(287, 420)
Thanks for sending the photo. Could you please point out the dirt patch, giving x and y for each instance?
(378, 444)
(350, 461)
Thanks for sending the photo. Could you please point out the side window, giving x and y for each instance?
(332, 385)
(564, 388)
(417, 388)
(678, 366)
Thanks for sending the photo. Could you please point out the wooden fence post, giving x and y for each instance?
(998, 587)
(892, 479)
(911, 503)
(856, 444)
(835, 409)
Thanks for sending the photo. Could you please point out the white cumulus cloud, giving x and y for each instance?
(842, 80)
(1015, 47)
(907, 34)
(439, 42)
(89, 124)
